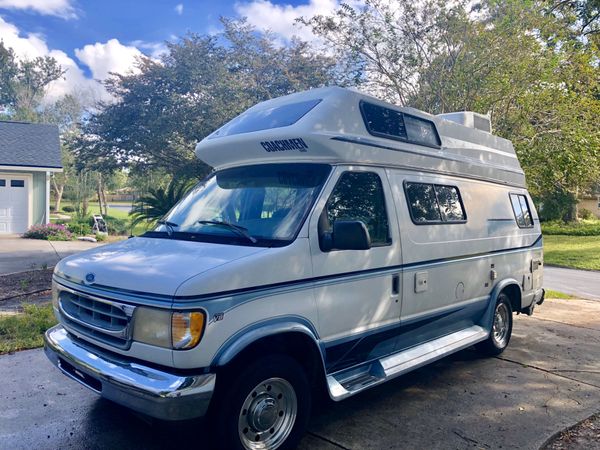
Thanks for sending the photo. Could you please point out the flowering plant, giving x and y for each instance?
(49, 232)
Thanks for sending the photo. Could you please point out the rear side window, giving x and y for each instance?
(392, 124)
(434, 203)
(359, 196)
(520, 207)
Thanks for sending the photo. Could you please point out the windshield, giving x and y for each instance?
(261, 204)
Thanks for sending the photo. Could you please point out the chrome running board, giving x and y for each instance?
(348, 382)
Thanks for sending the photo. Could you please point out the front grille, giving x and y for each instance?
(100, 319)
(93, 312)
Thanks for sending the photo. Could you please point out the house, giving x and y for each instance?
(591, 203)
(29, 154)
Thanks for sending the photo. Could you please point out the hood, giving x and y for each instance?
(150, 265)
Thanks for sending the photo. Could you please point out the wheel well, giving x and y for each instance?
(513, 292)
(294, 344)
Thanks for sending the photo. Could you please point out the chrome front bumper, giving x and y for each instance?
(144, 389)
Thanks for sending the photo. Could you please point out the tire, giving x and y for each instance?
(501, 331)
(264, 405)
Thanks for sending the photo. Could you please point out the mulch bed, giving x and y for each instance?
(583, 436)
(24, 284)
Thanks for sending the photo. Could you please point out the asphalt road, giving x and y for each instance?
(580, 283)
(18, 254)
(547, 380)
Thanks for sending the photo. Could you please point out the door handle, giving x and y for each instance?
(395, 284)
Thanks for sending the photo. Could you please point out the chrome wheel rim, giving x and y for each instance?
(500, 328)
(268, 415)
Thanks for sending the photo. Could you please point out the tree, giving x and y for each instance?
(533, 65)
(160, 113)
(66, 113)
(159, 201)
(23, 83)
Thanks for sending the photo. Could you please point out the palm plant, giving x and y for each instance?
(158, 201)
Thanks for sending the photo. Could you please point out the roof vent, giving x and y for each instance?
(470, 119)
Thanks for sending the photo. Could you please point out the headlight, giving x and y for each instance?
(178, 330)
(152, 326)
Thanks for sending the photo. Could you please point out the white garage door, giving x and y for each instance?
(14, 203)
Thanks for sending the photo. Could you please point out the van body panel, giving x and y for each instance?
(149, 266)
(444, 226)
(364, 301)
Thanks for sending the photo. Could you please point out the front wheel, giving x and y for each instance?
(501, 331)
(266, 405)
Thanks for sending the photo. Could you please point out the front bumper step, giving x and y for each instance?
(147, 390)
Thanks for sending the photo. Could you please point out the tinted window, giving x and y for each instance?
(2, 183)
(359, 196)
(421, 131)
(280, 116)
(450, 203)
(17, 183)
(384, 121)
(434, 203)
(422, 203)
(521, 209)
(389, 123)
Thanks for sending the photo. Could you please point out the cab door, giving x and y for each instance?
(358, 292)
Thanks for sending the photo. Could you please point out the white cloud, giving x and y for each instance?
(101, 58)
(60, 8)
(280, 19)
(179, 9)
(32, 45)
(153, 49)
(107, 58)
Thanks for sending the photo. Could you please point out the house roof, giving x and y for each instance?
(25, 144)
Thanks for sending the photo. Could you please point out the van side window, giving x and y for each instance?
(434, 203)
(359, 196)
(520, 207)
(391, 124)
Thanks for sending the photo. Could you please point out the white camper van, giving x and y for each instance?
(340, 242)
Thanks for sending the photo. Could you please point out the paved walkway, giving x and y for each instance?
(580, 283)
(18, 254)
(547, 380)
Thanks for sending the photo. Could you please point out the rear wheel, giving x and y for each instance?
(265, 406)
(501, 331)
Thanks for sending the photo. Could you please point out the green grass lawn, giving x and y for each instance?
(23, 331)
(556, 294)
(577, 252)
(93, 208)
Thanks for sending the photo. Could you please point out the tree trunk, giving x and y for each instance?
(58, 189)
(103, 192)
(99, 192)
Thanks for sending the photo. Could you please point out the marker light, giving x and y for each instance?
(186, 329)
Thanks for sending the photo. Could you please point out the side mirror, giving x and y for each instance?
(347, 235)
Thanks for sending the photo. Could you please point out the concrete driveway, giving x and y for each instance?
(18, 254)
(548, 379)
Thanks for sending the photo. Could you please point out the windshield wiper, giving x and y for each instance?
(236, 228)
(170, 226)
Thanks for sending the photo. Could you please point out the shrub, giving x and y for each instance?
(586, 214)
(117, 226)
(52, 208)
(582, 228)
(68, 209)
(49, 232)
(80, 226)
(100, 237)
